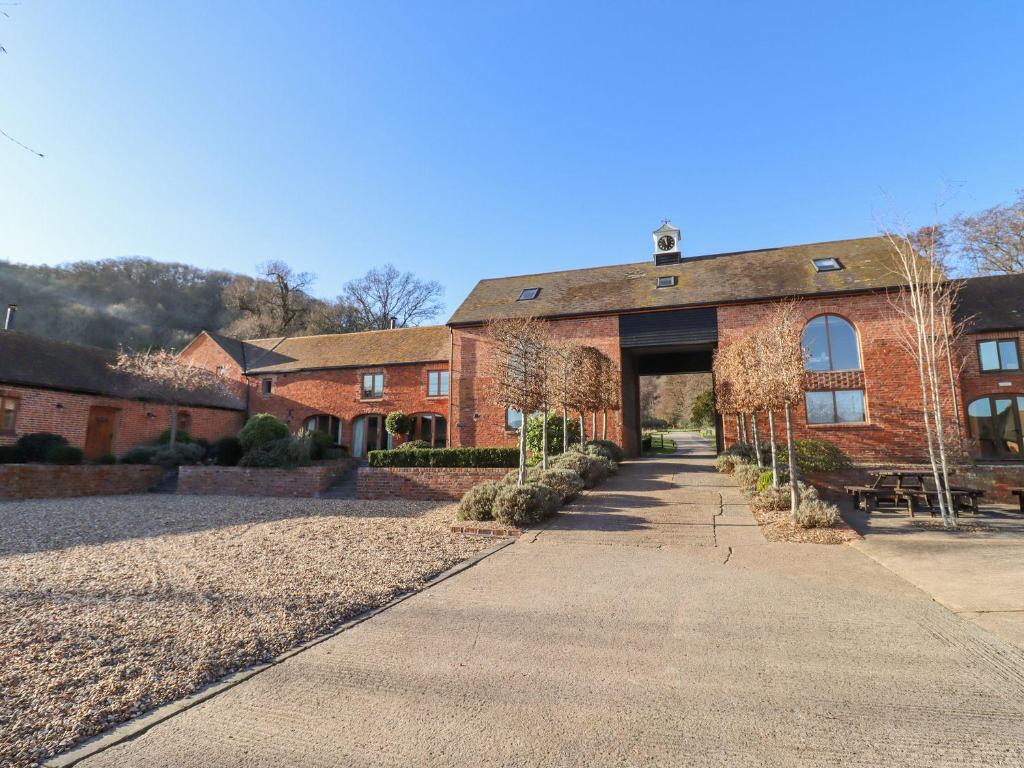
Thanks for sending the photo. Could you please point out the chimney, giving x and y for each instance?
(9, 320)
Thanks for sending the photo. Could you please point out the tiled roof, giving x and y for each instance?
(35, 361)
(717, 279)
(430, 343)
(992, 303)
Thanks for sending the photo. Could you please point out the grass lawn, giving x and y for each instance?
(660, 444)
(111, 606)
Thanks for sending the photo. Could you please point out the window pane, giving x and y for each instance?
(440, 431)
(1008, 355)
(815, 344)
(444, 382)
(378, 384)
(820, 408)
(514, 418)
(1007, 433)
(431, 384)
(850, 405)
(989, 354)
(845, 356)
(7, 416)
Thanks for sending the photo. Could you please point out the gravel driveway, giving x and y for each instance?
(111, 606)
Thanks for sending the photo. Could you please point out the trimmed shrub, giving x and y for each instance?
(535, 433)
(319, 442)
(548, 500)
(771, 499)
(107, 458)
(37, 445)
(65, 454)
(184, 453)
(446, 457)
(747, 476)
(478, 502)
(815, 513)
(226, 452)
(765, 480)
(286, 453)
(606, 448)
(261, 429)
(414, 445)
(815, 456)
(181, 437)
(591, 469)
(726, 463)
(11, 454)
(654, 423)
(519, 505)
(141, 455)
(566, 483)
(397, 423)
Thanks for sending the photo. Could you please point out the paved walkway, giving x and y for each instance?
(650, 626)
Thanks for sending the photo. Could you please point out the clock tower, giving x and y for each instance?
(666, 244)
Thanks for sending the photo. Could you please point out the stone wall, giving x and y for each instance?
(251, 481)
(39, 481)
(440, 483)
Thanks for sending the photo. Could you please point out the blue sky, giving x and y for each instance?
(463, 141)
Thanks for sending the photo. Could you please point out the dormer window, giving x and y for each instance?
(528, 294)
(667, 281)
(826, 265)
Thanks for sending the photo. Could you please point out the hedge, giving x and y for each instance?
(446, 457)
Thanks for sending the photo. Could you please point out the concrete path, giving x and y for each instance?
(650, 626)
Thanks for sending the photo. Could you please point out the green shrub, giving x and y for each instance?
(336, 453)
(65, 454)
(815, 513)
(765, 479)
(521, 505)
(261, 429)
(565, 482)
(646, 443)
(535, 433)
(11, 454)
(654, 423)
(181, 437)
(141, 455)
(772, 499)
(319, 442)
(397, 423)
(446, 457)
(548, 500)
(184, 453)
(746, 476)
(107, 458)
(703, 412)
(606, 448)
(815, 456)
(37, 445)
(589, 468)
(414, 445)
(726, 463)
(226, 452)
(478, 502)
(286, 453)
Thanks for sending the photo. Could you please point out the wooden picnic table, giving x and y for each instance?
(911, 488)
(900, 475)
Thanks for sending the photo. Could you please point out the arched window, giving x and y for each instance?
(322, 422)
(831, 344)
(431, 428)
(997, 423)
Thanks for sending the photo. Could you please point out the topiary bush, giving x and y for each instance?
(478, 502)
(397, 423)
(815, 513)
(107, 458)
(226, 452)
(261, 429)
(519, 505)
(65, 454)
(548, 500)
(535, 433)
(591, 469)
(565, 482)
(182, 437)
(35, 447)
(815, 456)
(414, 445)
(184, 453)
(606, 448)
(11, 454)
(141, 455)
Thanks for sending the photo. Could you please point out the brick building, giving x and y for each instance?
(70, 390)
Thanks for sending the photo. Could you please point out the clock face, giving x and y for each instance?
(665, 242)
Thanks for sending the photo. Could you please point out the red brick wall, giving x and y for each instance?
(206, 353)
(38, 481)
(38, 412)
(894, 428)
(441, 483)
(336, 392)
(251, 481)
(975, 384)
(477, 420)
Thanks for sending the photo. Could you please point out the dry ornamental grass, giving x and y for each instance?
(112, 606)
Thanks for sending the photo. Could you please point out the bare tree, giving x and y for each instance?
(163, 375)
(517, 370)
(275, 304)
(385, 296)
(610, 387)
(992, 241)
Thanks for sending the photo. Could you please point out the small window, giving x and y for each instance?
(667, 281)
(437, 383)
(999, 355)
(528, 294)
(513, 419)
(997, 423)
(373, 385)
(267, 386)
(184, 421)
(841, 406)
(830, 344)
(8, 413)
(826, 265)
(323, 422)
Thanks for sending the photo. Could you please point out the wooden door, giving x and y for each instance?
(99, 435)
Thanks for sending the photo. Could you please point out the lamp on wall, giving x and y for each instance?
(289, 419)
(150, 415)
(60, 406)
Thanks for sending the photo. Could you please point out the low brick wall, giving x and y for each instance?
(252, 481)
(995, 479)
(40, 481)
(429, 483)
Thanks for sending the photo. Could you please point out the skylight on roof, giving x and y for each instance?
(666, 281)
(528, 294)
(827, 265)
